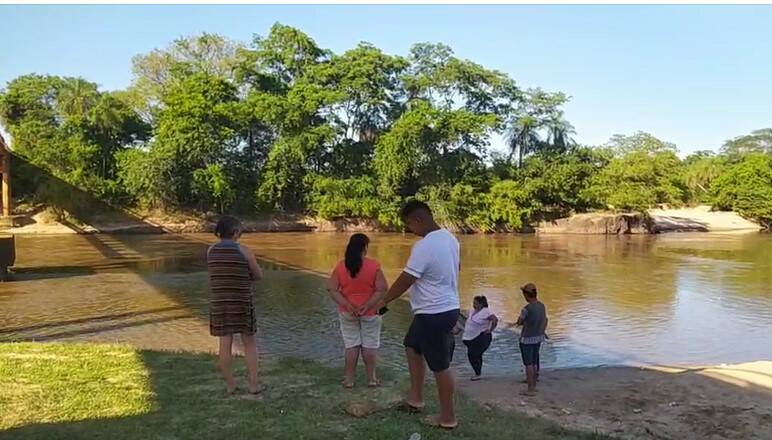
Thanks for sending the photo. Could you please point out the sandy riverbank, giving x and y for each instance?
(723, 402)
(696, 219)
(702, 216)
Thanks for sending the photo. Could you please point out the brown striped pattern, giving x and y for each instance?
(230, 305)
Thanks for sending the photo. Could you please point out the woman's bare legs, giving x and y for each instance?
(226, 361)
(250, 354)
(370, 356)
(352, 357)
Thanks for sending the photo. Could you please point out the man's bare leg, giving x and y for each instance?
(530, 372)
(417, 368)
(446, 387)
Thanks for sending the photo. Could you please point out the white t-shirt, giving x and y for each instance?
(477, 323)
(434, 260)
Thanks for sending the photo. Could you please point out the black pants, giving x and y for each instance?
(475, 349)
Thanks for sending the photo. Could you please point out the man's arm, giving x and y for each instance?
(400, 286)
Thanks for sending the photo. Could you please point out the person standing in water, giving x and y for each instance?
(534, 320)
(478, 333)
(352, 283)
(232, 271)
(431, 273)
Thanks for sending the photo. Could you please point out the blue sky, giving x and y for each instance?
(693, 75)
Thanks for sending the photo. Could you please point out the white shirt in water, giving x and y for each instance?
(477, 323)
(434, 261)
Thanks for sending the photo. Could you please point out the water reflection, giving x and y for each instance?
(676, 299)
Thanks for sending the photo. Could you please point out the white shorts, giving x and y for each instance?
(362, 331)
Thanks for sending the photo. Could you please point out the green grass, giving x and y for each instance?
(71, 391)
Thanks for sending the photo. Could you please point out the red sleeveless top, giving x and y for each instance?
(360, 289)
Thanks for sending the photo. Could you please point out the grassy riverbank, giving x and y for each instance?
(58, 391)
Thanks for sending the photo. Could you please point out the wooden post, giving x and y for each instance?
(5, 170)
(5, 158)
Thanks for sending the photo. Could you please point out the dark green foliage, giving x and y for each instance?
(281, 124)
(746, 187)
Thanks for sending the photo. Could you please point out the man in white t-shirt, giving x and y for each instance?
(431, 274)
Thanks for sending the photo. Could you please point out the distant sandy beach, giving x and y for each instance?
(713, 221)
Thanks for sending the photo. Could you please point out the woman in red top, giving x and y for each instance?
(352, 283)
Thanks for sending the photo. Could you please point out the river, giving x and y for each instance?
(673, 299)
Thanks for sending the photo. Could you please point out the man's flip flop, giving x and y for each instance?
(407, 407)
(374, 384)
(434, 422)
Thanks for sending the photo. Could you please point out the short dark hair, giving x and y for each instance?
(227, 227)
(414, 206)
(482, 300)
(529, 290)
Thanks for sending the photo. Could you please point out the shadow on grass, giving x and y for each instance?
(303, 400)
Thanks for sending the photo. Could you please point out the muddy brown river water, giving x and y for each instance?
(674, 299)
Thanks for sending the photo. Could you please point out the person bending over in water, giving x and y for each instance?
(232, 271)
(533, 318)
(353, 282)
(478, 333)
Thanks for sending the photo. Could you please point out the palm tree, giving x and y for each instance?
(76, 97)
(559, 132)
(522, 135)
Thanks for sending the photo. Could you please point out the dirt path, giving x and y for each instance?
(726, 402)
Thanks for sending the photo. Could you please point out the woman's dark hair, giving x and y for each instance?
(227, 227)
(356, 244)
(482, 300)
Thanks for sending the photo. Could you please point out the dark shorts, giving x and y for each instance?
(431, 335)
(530, 353)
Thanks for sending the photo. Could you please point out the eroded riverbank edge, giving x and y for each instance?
(40, 220)
(727, 401)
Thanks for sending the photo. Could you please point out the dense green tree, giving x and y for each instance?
(559, 181)
(758, 141)
(197, 129)
(646, 172)
(155, 73)
(70, 128)
(538, 112)
(700, 171)
(282, 124)
(746, 187)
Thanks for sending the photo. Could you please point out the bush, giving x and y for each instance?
(747, 188)
(213, 187)
(459, 207)
(558, 182)
(639, 180)
(510, 205)
(141, 174)
(333, 198)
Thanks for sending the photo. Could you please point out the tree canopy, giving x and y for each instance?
(282, 124)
